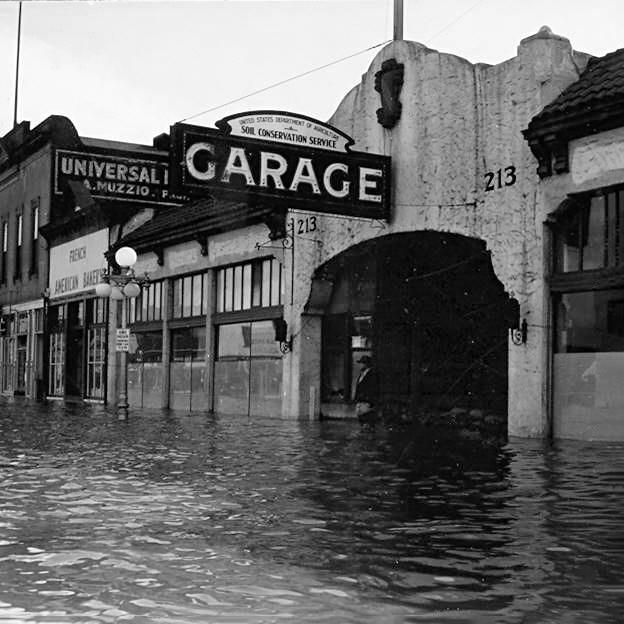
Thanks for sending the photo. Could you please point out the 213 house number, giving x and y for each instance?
(500, 178)
(303, 226)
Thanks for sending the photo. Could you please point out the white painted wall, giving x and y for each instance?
(459, 121)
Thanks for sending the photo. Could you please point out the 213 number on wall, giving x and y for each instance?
(501, 177)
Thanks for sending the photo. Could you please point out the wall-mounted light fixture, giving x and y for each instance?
(518, 329)
(281, 333)
(120, 287)
(519, 334)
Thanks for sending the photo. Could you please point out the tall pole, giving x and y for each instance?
(398, 20)
(19, 38)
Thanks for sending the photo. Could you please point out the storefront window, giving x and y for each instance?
(248, 370)
(96, 360)
(56, 378)
(148, 347)
(188, 343)
(588, 394)
(187, 388)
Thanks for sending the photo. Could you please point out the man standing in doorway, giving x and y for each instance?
(365, 395)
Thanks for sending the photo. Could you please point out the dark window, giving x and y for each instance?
(5, 247)
(19, 231)
(250, 285)
(590, 322)
(590, 237)
(34, 254)
(148, 347)
(188, 344)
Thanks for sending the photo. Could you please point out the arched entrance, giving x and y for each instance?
(429, 309)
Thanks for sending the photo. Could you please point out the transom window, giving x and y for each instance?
(250, 285)
(591, 237)
(190, 296)
(148, 305)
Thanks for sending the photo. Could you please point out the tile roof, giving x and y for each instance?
(600, 85)
(204, 216)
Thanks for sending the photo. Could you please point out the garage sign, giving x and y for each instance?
(279, 158)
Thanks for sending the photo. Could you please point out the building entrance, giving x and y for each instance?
(430, 311)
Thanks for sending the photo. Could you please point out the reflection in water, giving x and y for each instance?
(187, 518)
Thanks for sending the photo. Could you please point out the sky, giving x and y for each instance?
(127, 70)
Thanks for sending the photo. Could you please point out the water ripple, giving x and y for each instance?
(184, 518)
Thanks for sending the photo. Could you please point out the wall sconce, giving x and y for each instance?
(519, 334)
(281, 332)
(518, 329)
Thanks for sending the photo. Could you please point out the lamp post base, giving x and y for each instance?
(122, 409)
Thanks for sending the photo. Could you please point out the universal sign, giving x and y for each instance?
(113, 176)
(283, 159)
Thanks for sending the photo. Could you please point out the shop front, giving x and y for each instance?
(578, 140)
(203, 333)
(76, 320)
(21, 350)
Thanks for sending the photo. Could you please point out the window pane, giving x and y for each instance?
(263, 340)
(613, 227)
(158, 288)
(266, 283)
(234, 340)
(35, 220)
(229, 289)
(187, 293)
(220, 290)
(594, 235)
(567, 243)
(144, 302)
(590, 321)
(197, 295)
(276, 270)
(620, 225)
(238, 287)
(149, 347)
(256, 279)
(247, 286)
(177, 298)
(188, 344)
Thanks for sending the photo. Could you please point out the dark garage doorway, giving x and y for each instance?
(430, 310)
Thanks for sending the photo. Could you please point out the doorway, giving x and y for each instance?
(432, 313)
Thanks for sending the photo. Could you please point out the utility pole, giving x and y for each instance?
(398, 20)
(19, 37)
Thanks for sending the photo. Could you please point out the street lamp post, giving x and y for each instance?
(121, 287)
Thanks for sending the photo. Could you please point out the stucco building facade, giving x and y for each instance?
(456, 292)
(460, 167)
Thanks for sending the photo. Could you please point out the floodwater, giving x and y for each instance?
(179, 518)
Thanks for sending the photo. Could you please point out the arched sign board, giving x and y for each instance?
(281, 159)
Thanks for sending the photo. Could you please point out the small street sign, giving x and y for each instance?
(123, 340)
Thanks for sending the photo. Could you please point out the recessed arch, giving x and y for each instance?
(430, 310)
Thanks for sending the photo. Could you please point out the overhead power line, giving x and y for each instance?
(281, 82)
(316, 69)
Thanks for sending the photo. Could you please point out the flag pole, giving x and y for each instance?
(19, 37)
(398, 20)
